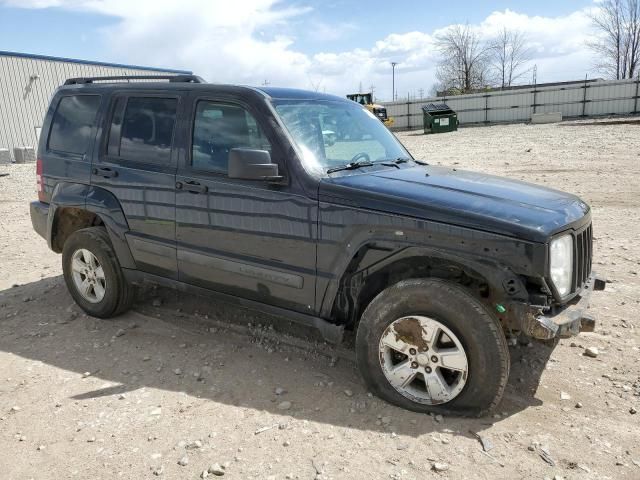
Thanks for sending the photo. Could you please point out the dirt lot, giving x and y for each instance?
(131, 397)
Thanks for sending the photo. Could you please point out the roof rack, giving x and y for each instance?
(171, 78)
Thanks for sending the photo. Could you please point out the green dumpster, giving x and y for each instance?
(439, 118)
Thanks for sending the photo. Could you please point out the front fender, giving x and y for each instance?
(504, 284)
(500, 278)
(349, 233)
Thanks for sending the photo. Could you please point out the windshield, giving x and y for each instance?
(331, 134)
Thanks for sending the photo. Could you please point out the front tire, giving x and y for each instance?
(429, 346)
(93, 274)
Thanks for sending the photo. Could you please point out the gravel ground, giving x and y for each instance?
(179, 384)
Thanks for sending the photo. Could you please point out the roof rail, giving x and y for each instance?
(171, 78)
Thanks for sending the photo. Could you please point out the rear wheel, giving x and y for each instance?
(93, 275)
(429, 346)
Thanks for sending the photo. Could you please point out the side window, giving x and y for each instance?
(72, 123)
(217, 129)
(144, 132)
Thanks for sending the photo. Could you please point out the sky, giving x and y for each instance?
(333, 46)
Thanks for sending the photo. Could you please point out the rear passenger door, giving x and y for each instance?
(137, 163)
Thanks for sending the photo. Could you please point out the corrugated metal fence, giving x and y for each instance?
(590, 99)
(27, 83)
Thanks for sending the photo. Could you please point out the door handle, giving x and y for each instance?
(193, 187)
(105, 172)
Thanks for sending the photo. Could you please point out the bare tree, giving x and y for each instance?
(316, 85)
(618, 44)
(509, 56)
(463, 67)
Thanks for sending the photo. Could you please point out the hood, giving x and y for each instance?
(468, 199)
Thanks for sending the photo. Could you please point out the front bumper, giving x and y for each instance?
(567, 320)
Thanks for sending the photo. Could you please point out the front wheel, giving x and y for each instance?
(93, 274)
(429, 346)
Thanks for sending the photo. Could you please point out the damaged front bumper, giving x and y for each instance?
(564, 321)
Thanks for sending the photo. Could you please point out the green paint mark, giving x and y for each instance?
(500, 308)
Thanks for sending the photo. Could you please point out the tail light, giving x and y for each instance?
(39, 182)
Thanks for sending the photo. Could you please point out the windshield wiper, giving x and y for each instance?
(394, 162)
(400, 160)
(351, 166)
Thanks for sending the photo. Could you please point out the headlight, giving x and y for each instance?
(561, 263)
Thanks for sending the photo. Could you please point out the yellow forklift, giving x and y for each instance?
(366, 99)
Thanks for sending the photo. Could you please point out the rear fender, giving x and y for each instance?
(98, 201)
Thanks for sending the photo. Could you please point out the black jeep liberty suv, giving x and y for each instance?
(304, 205)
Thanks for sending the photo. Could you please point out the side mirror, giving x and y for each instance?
(251, 164)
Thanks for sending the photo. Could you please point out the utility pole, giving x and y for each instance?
(372, 87)
(266, 83)
(534, 80)
(393, 80)
(535, 88)
(635, 103)
(421, 93)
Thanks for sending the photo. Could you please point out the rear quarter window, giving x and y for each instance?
(73, 123)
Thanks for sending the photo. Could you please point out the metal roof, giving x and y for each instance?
(90, 62)
(274, 93)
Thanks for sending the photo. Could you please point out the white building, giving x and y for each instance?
(26, 85)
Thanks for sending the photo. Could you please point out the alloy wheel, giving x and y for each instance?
(88, 275)
(423, 360)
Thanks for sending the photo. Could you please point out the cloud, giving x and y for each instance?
(552, 36)
(329, 32)
(248, 41)
(236, 42)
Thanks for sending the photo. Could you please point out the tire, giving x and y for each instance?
(476, 386)
(117, 295)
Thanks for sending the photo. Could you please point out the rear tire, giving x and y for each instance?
(429, 346)
(93, 274)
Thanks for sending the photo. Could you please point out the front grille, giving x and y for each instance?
(583, 251)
